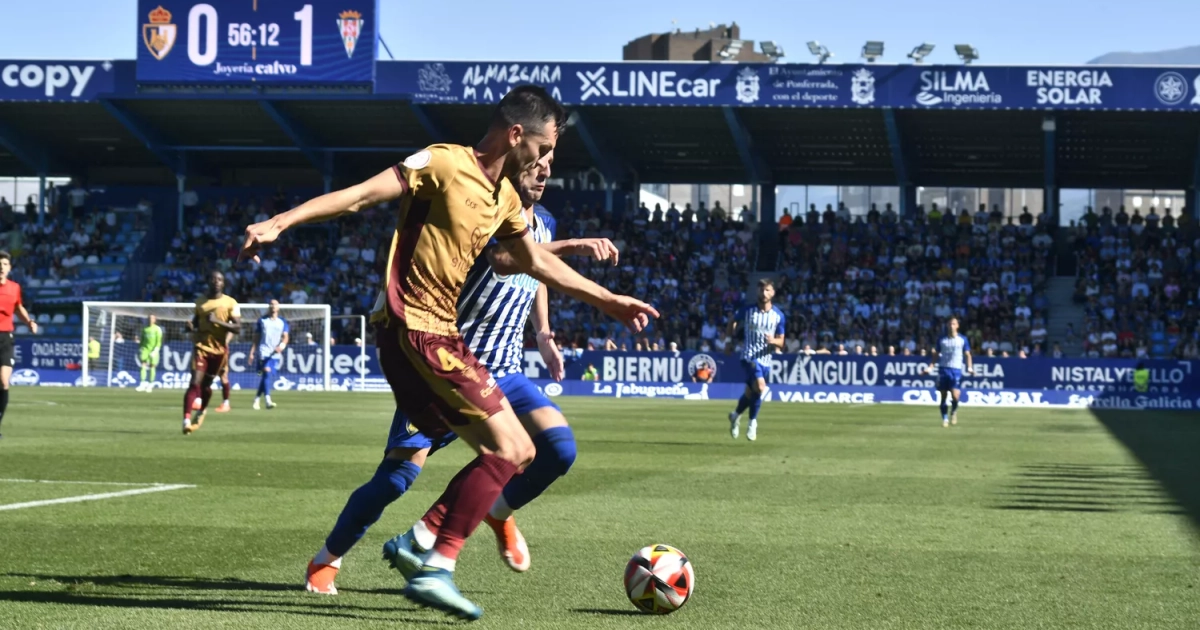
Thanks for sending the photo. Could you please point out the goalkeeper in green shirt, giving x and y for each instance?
(149, 348)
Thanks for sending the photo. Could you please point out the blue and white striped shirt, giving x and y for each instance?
(270, 334)
(493, 309)
(756, 325)
(951, 352)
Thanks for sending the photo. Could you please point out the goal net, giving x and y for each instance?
(117, 326)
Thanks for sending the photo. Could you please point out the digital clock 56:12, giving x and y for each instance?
(203, 19)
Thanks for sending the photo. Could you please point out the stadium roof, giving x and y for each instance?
(128, 132)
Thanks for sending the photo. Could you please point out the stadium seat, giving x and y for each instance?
(92, 260)
(122, 260)
(43, 318)
(50, 331)
(74, 318)
(34, 283)
(106, 260)
(22, 329)
(58, 318)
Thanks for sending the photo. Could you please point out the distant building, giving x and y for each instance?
(697, 45)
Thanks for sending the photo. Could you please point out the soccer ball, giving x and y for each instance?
(659, 579)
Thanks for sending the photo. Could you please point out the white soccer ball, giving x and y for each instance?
(659, 579)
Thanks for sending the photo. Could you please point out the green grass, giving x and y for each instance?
(838, 517)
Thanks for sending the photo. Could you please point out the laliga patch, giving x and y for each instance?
(418, 160)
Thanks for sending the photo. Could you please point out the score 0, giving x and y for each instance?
(203, 19)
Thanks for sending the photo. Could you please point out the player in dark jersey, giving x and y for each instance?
(454, 200)
(10, 305)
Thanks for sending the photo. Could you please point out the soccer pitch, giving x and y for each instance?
(868, 517)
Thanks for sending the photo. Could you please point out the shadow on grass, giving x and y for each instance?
(1086, 488)
(612, 612)
(155, 592)
(1168, 446)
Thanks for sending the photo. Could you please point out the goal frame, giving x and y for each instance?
(325, 309)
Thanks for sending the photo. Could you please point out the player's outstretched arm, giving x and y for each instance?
(596, 248)
(380, 188)
(546, 267)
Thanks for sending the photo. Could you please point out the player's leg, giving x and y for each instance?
(440, 385)
(153, 370)
(271, 368)
(191, 397)
(5, 376)
(143, 368)
(743, 403)
(955, 393)
(759, 390)
(943, 394)
(406, 453)
(264, 376)
(225, 389)
(554, 443)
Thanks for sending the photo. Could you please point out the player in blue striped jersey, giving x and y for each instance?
(953, 359)
(762, 327)
(496, 303)
(270, 338)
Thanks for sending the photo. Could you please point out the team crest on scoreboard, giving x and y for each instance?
(350, 25)
(160, 34)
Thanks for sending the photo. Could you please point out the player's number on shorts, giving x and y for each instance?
(449, 361)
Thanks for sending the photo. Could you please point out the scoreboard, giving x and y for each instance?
(264, 41)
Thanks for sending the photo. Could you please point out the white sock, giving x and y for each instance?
(226, 401)
(187, 422)
(438, 561)
(268, 399)
(324, 557)
(500, 510)
(425, 538)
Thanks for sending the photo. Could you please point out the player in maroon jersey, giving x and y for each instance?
(10, 304)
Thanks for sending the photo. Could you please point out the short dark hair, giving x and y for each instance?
(766, 282)
(4, 255)
(529, 106)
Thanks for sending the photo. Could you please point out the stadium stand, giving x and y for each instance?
(875, 283)
(1138, 277)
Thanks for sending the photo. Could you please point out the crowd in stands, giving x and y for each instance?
(850, 283)
(872, 283)
(1139, 279)
(64, 244)
(335, 264)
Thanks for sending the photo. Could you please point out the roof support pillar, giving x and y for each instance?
(437, 134)
(31, 156)
(606, 161)
(899, 163)
(1050, 168)
(145, 134)
(756, 167)
(297, 134)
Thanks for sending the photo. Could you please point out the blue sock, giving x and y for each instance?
(555, 454)
(954, 405)
(366, 504)
(755, 405)
(266, 382)
(262, 384)
(943, 407)
(743, 403)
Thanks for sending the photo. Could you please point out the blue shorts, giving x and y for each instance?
(949, 378)
(522, 394)
(268, 363)
(755, 371)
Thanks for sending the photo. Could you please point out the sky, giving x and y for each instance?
(1008, 32)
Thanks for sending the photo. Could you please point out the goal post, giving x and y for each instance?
(117, 327)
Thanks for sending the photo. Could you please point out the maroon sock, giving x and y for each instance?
(225, 389)
(193, 391)
(205, 395)
(435, 516)
(467, 500)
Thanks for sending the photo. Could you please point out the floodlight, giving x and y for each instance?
(771, 49)
(966, 52)
(872, 50)
(820, 52)
(731, 50)
(919, 53)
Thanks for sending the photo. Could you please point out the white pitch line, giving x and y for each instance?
(94, 497)
(82, 483)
